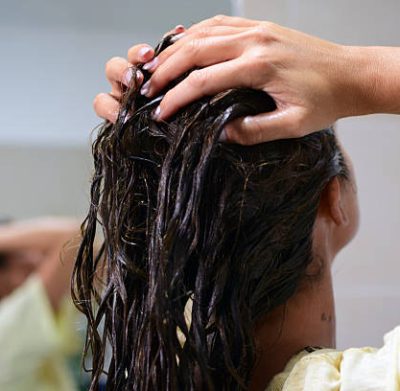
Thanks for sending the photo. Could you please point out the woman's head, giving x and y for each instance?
(185, 216)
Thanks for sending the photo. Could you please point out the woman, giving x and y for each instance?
(313, 83)
(240, 239)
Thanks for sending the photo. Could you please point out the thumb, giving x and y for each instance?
(250, 130)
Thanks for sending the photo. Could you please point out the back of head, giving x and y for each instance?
(187, 217)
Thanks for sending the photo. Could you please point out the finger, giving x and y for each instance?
(140, 53)
(224, 20)
(197, 53)
(119, 73)
(180, 28)
(278, 124)
(187, 39)
(202, 82)
(106, 107)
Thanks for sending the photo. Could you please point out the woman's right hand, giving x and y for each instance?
(313, 82)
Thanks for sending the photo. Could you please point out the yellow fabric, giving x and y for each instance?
(34, 342)
(363, 369)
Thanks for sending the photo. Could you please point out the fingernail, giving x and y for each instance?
(143, 52)
(179, 28)
(127, 79)
(176, 37)
(222, 136)
(156, 113)
(145, 88)
(139, 76)
(151, 65)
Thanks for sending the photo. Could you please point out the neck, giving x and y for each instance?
(306, 319)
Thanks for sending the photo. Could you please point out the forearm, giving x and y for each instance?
(56, 270)
(372, 78)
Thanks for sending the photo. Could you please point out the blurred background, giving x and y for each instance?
(53, 55)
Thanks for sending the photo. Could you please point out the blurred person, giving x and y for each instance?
(38, 324)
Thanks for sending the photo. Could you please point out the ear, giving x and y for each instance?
(331, 204)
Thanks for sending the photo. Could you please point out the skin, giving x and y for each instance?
(314, 82)
(46, 246)
(308, 317)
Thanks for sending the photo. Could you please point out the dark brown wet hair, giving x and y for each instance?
(185, 216)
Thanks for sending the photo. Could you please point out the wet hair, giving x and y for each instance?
(186, 217)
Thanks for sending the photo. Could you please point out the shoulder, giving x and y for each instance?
(352, 369)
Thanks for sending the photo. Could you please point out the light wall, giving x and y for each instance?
(53, 54)
(367, 272)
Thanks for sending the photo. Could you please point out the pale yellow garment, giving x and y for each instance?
(33, 342)
(362, 369)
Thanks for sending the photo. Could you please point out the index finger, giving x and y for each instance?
(140, 53)
(203, 82)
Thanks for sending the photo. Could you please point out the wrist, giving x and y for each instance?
(370, 81)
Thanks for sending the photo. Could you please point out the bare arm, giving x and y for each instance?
(54, 242)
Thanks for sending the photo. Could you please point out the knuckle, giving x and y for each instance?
(203, 32)
(254, 71)
(159, 78)
(111, 63)
(197, 78)
(259, 65)
(264, 68)
(252, 131)
(168, 102)
(236, 134)
(260, 33)
(219, 19)
(193, 46)
(257, 128)
(97, 102)
(133, 53)
(268, 25)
